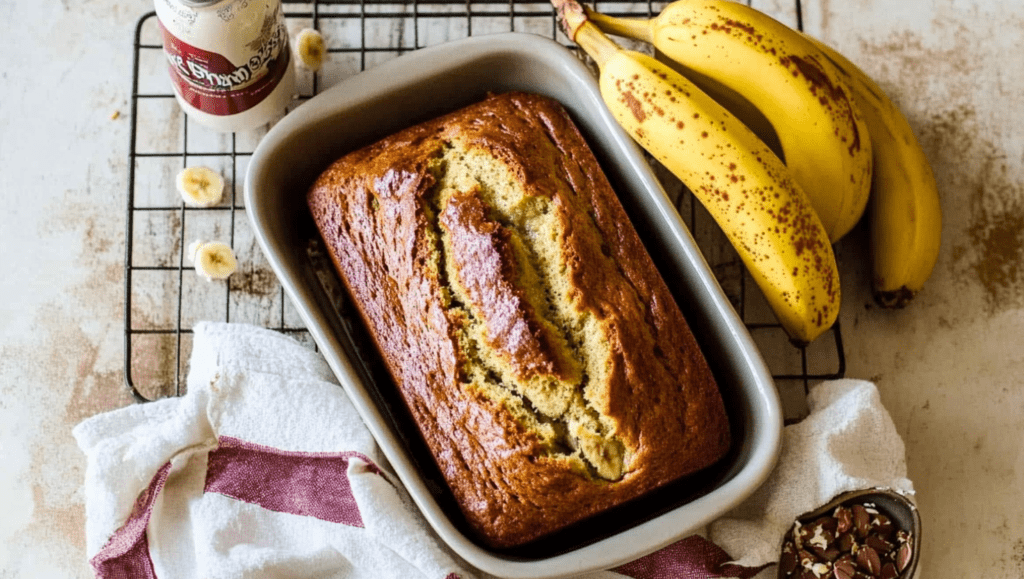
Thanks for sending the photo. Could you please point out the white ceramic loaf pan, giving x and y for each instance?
(425, 84)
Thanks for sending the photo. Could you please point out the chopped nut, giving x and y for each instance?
(861, 520)
(844, 520)
(888, 572)
(883, 525)
(903, 556)
(869, 561)
(843, 569)
(878, 544)
(846, 543)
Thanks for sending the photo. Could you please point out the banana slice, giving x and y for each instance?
(310, 46)
(212, 259)
(200, 186)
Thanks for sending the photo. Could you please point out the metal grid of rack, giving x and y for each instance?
(164, 299)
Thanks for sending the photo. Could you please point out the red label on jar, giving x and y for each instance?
(211, 83)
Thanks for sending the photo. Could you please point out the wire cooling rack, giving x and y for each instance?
(164, 298)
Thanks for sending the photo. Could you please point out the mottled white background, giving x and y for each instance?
(949, 367)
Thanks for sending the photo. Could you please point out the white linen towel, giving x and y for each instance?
(259, 407)
(227, 480)
(847, 442)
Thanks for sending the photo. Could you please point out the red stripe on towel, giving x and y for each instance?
(693, 557)
(126, 554)
(300, 483)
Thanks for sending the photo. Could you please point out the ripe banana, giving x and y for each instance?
(311, 49)
(745, 187)
(905, 216)
(721, 43)
(200, 186)
(212, 259)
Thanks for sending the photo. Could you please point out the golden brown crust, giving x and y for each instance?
(378, 211)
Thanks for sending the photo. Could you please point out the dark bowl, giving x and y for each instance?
(900, 510)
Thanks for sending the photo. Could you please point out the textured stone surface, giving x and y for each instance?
(948, 367)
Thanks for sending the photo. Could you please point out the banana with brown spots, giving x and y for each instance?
(904, 216)
(746, 187)
(728, 48)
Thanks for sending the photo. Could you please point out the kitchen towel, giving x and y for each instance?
(847, 442)
(264, 469)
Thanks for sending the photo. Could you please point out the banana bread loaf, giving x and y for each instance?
(539, 351)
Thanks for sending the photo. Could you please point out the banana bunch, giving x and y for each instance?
(744, 185)
(728, 47)
(846, 145)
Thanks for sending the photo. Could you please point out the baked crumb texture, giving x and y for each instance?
(550, 371)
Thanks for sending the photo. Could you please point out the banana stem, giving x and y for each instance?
(596, 44)
(576, 25)
(570, 15)
(636, 28)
